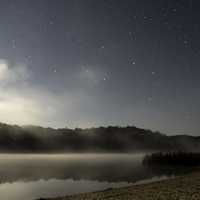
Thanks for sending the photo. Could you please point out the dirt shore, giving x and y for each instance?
(180, 188)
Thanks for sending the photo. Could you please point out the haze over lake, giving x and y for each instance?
(31, 176)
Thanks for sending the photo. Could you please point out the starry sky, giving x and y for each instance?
(75, 63)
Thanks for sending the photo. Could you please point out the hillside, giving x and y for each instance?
(102, 139)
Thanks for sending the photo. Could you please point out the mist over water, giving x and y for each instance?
(101, 167)
(30, 176)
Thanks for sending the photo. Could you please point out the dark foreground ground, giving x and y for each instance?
(181, 188)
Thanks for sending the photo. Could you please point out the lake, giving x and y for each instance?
(31, 176)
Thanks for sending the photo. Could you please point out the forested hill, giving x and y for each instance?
(103, 139)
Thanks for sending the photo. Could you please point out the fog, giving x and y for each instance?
(101, 167)
(30, 176)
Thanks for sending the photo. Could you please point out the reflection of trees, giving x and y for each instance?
(90, 169)
(171, 162)
(110, 169)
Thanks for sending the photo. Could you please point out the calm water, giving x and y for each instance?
(27, 177)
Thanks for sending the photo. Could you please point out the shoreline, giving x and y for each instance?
(185, 187)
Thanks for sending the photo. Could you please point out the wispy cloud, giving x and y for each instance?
(22, 102)
(10, 73)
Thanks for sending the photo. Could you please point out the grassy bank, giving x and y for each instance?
(180, 188)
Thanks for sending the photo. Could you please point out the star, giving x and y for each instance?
(106, 77)
(29, 58)
(149, 99)
(174, 10)
(133, 62)
(13, 44)
(131, 35)
(51, 22)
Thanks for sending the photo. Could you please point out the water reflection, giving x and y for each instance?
(26, 177)
(51, 188)
(90, 167)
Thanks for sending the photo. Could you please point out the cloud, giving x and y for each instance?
(22, 102)
(12, 73)
(18, 110)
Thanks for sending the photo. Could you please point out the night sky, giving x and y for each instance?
(84, 63)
